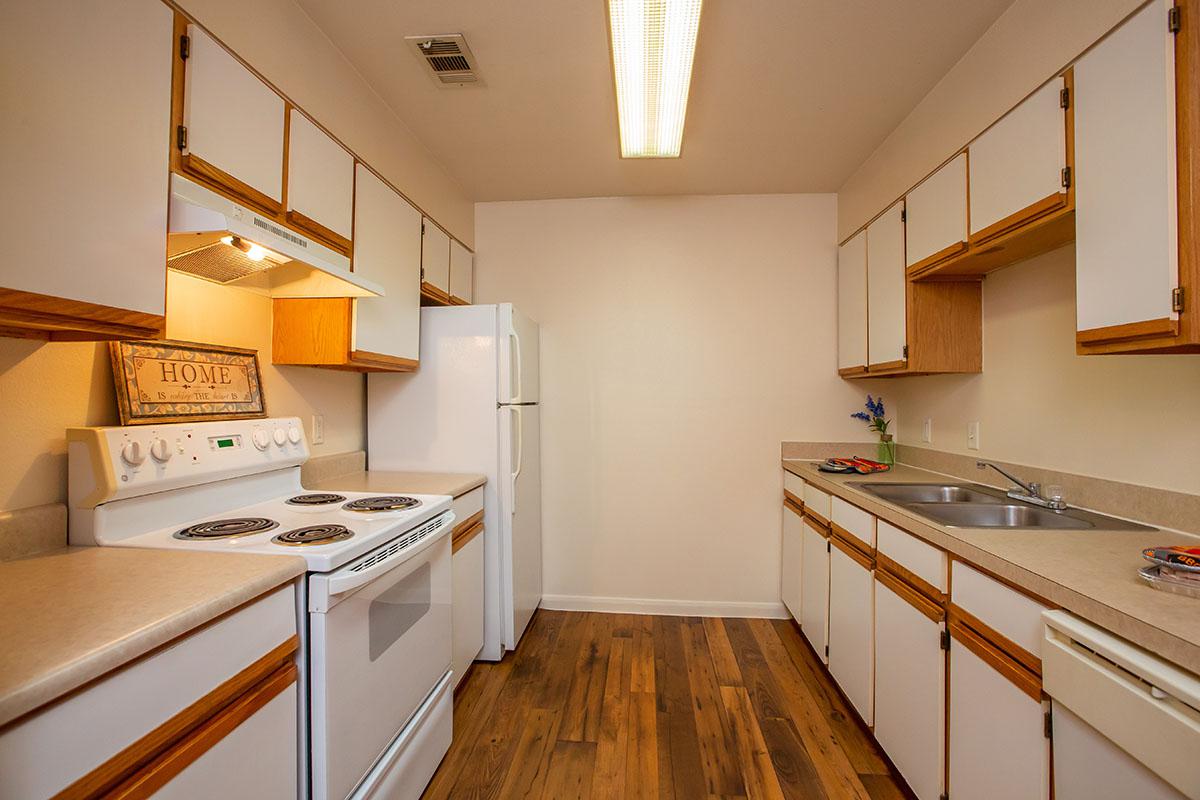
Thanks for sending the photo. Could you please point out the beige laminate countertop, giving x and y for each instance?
(74, 614)
(1091, 573)
(451, 483)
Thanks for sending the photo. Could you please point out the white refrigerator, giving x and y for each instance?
(472, 406)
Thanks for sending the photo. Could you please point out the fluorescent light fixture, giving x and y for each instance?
(653, 44)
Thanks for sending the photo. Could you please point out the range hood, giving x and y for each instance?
(216, 239)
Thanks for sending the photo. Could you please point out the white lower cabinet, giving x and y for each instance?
(910, 692)
(852, 629)
(998, 746)
(792, 561)
(814, 589)
(467, 567)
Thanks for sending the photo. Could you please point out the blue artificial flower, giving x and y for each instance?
(879, 407)
(861, 415)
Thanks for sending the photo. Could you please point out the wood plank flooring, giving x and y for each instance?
(626, 706)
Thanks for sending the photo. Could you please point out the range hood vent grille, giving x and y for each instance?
(218, 262)
(447, 58)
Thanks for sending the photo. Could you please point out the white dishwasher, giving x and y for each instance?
(1126, 723)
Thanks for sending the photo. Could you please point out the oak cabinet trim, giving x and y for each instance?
(930, 262)
(793, 503)
(40, 316)
(175, 760)
(820, 522)
(1011, 649)
(317, 231)
(147, 764)
(908, 594)
(439, 297)
(851, 550)
(850, 540)
(461, 540)
(997, 659)
(901, 573)
(1149, 329)
(1032, 213)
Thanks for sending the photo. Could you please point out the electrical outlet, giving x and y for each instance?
(927, 431)
(972, 435)
(318, 429)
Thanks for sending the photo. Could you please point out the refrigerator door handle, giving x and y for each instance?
(515, 362)
(520, 435)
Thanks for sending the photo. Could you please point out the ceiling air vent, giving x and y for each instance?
(447, 58)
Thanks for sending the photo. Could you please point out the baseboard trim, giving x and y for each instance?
(670, 608)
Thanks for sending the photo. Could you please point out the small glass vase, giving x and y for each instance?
(886, 450)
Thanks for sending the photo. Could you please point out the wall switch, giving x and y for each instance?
(927, 431)
(318, 429)
(972, 435)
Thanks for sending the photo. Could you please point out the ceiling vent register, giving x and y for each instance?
(447, 58)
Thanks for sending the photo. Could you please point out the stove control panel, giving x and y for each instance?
(106, 464)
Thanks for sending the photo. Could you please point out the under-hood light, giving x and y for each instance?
(653, 46)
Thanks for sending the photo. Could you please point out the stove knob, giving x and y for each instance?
(294, 435)
(160, 450)
(133, 454)
(261, 439)
(280, 436)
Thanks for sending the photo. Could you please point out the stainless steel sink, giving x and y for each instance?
(904, 493)
(970, 505)
(996, 515)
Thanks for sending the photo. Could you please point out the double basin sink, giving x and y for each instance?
(974, 506)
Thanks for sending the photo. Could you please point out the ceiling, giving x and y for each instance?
(787, 95)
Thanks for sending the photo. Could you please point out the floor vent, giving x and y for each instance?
(447, 58)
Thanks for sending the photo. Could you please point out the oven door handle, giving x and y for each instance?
(349, 580)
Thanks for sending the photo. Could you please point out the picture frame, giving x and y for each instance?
(163, 380)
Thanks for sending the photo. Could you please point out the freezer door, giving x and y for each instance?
(520, 519)
(519, 355)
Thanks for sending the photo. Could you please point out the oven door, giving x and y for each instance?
(380, 642)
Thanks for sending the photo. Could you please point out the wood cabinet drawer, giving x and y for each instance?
(1005, 611)
(924, 561)
(854, 521)
(48, 751)
(793, 487)
(817, 503)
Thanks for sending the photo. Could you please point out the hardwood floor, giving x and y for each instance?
(626, 706)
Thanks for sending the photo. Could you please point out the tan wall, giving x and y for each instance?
(1119, 417)
(1028, 44)
(280, 41)
(46, 388)
(682, 339)
(1126, 418)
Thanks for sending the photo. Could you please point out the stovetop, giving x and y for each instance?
(326, 534)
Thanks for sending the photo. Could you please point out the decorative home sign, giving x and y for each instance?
(167, 381)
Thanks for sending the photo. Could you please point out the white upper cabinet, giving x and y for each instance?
(1126, 250)
(852, 303)
(1016, 166)
(936, 215)
(387, 250)
(435, 257)
(886, 298)
(462, 273)
(234, 121)
(320, 177)
(85, 118)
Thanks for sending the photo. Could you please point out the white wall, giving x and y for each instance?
(1125, 418)
(1028, 44)
(683, 338)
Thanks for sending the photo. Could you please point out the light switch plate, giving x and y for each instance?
(972, 435)
(927, 431)
(318, 429)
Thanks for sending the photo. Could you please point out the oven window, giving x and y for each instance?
(397, 609)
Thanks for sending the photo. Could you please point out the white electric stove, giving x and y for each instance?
(373, 612)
